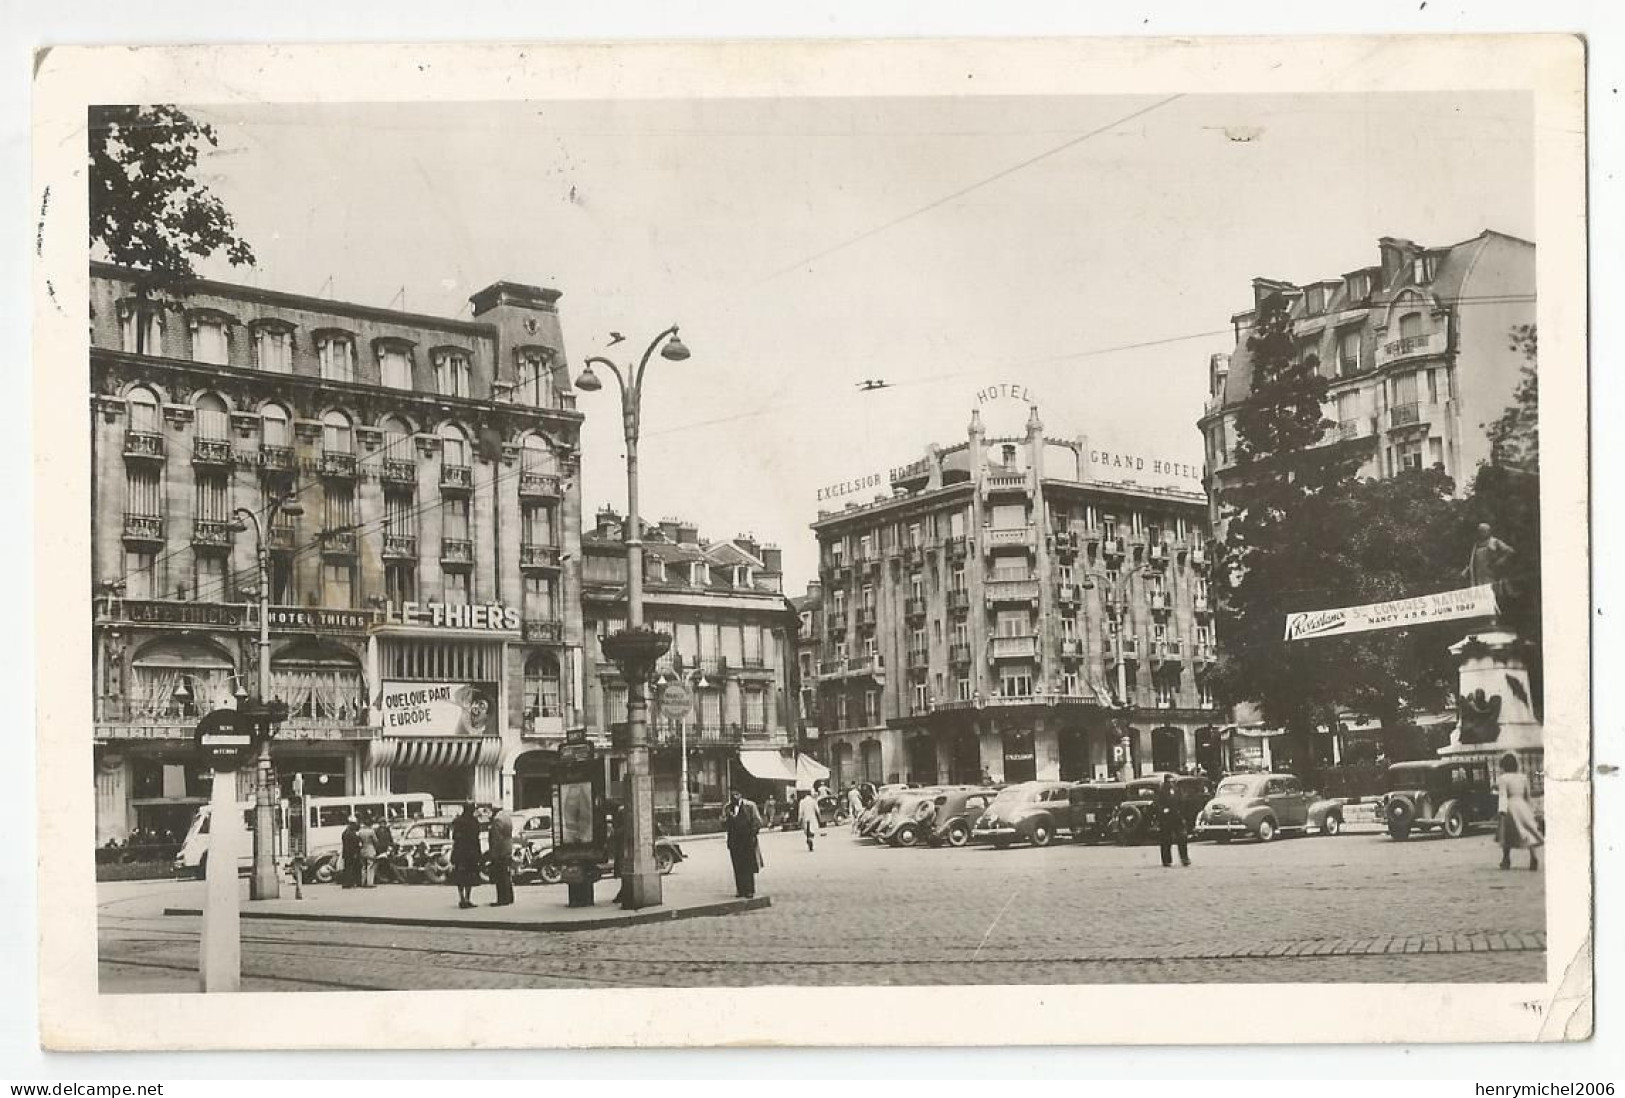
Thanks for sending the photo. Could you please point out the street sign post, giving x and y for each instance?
(223, 740)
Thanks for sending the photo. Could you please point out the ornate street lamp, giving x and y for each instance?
(636, 648)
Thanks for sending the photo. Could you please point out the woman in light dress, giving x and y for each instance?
(1517, 825)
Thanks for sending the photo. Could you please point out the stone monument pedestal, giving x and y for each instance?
(1495, 705)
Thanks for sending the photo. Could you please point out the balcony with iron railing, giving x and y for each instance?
(1011, 590)
(456, 551)
(1159, 601)
(1204, 652)
(276, 459)
(337, 465)
(1408, 347)
(458, 478)
(1020, 537)
(211, 451)
(867, 617)
(1201, 604)
(144, 528)
(1002, 482)
(1358, 427)
(1071, 649)
(338, 543)
(959, 654)
(144, 444)
(398, 471)
(1168, 650)
(1112, 547)
(913, 554)
(837, 622)
(958, 547)
(532, 555)
(1013, 648)
(1066, 544)
(1120, 648)
(914, 606)
(539, 486)
(543, 630)
(919, 659)
(280, 538)
(958, 601)
(211, 533)
(1068, 595)
(400, 546)
(1198, 556)
(1157, 553)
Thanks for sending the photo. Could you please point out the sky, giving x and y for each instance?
(1090, 250)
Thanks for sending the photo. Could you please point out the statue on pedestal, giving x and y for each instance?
(1488, 563)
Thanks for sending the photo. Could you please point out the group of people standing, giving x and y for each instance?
(366, 845)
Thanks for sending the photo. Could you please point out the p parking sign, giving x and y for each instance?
(223, 739)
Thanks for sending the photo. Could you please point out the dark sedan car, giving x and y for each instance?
(1033, 812)
(1094, 810)
(1449, 794)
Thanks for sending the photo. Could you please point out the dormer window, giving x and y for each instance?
(698, 575)
(336, 353)
(211, 339)
(534, 383)
(1314, 301)
(1423, 268)
(742, 576)
(453, 373)
(273, 347)
(395, 365)
(146, 338)
(1359, 286)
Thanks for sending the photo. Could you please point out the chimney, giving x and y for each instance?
(747, 542)
(772, 558)
(669, 529)
(1397, 255)
(609, 523)
(687, 534)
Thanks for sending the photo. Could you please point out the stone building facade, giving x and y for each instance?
(1013, 610)
(1417, 349)
(732, 658)
(424, 617)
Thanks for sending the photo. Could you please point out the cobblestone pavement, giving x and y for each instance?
(1353, 908)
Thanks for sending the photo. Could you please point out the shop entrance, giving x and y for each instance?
(1167, 750)
(1020, 764)
(1074, 749)
(443, 783)
(922, 760)
(1209, 752)
(533, 779)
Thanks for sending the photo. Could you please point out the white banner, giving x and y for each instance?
(435, 709)
(1468, 602)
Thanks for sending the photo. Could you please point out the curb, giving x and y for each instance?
(723, 907)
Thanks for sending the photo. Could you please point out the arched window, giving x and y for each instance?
(537, 456)
(177, 679)
(453, 446)
(1410, 325)
(143, 411)
(213, 421)
(322, 686)
(336, 434)
(397, 438)
(274, 427)
(543, 697)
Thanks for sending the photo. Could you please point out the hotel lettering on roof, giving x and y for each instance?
(425, 625)
(1015, 608)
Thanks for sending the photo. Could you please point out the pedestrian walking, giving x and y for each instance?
(1170, 823)
(1516, 824)
(742, 821)
(854, 802)
(367, 846)
(500, 856)
(465, 855)
(807, 815)
(384, 840)
(350, 853)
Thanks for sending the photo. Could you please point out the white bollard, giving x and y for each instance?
(221, 958)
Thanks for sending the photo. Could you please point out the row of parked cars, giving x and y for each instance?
(1449, 795)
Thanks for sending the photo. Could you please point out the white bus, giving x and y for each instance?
(325, 818)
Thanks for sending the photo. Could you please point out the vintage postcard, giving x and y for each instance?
(1047, 542)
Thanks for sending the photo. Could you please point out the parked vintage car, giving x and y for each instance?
(872, 816)
(547, 870)
(1451, 795)
(1032, 812)
(1136, 819)
(1093, 806)
(956, 812)
(1265, 805)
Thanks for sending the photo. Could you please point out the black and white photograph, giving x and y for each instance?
(1034, 539)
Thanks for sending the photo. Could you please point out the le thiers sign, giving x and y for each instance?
(493, 616)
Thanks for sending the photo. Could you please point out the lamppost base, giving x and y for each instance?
(580, 894)
(640, 890)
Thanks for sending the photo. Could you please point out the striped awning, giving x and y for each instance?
(442, 752)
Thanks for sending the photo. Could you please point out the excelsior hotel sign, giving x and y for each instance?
(1468, 602)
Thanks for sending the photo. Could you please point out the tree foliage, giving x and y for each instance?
(1515, 436)
(1302, 533)
(148, 211)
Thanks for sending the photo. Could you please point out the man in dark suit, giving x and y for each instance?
(350, 852)
(742, 821)
(1170, 823)
(499, 854)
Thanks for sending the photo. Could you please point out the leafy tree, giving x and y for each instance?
(1302, 533)
(1515, 436)
(147, 210)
